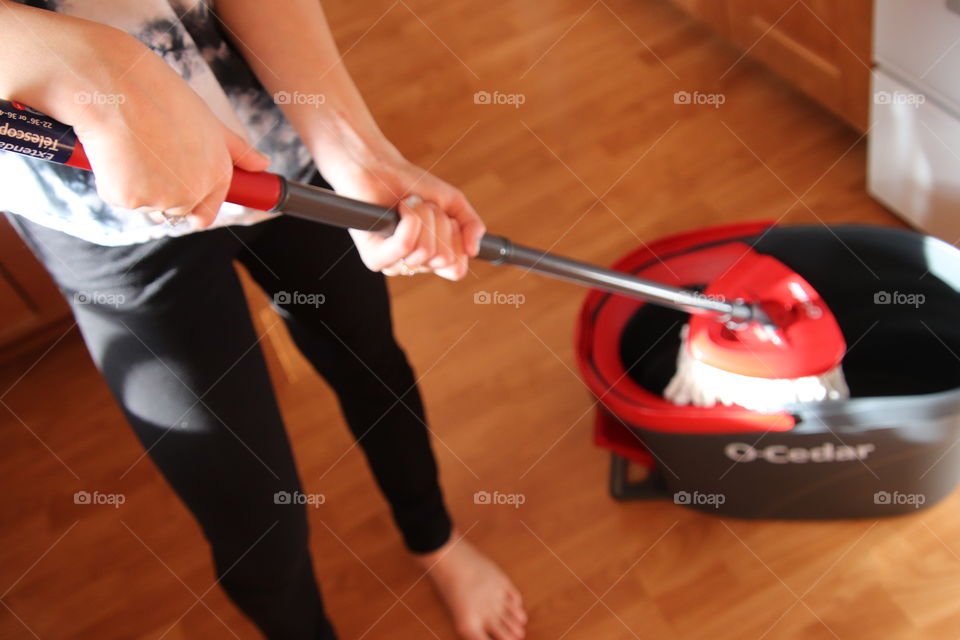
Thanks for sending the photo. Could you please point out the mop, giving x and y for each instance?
(759, 336)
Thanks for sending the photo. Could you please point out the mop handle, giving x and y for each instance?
(31, 133)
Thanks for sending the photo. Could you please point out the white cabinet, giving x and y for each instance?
(914, 141)
(919, 41)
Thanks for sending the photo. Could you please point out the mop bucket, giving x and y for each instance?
(890, 449)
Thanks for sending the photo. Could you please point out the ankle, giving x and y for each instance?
(431, 558)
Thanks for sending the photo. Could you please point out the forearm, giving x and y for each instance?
(292, 50)
(55, 63)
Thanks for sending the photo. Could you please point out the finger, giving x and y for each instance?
(162, 217)
(458, 269)
(447, 243)
(400, 244)
(366, 242)
(242, 153)
(473, 233)
(176, 216)
(156, 217)
(178, 211)
(207, 210)
(403, 269)
(460, 255)
(427, 242)
(471, 226)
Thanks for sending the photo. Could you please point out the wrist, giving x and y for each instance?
(345, 141)
(93, 96)
(63, 79)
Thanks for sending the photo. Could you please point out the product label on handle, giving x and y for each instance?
(31, 133)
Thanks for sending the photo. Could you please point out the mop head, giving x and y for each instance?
(789, 352)
(704, 385)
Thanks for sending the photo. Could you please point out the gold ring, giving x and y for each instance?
(406, 270)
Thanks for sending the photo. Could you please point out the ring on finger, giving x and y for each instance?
(407, 270)
(171, 220)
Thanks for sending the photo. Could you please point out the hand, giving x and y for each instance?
(160, 148)
(438, 230)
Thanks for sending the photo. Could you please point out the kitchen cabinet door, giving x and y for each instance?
(713, 12)
(821, 46)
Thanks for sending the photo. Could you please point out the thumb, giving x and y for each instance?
(243, 154)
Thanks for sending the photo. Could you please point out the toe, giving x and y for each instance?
(516, 613)
(514, 608)
(500, 630)
(515, 629)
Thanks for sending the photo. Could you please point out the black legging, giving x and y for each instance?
(168, 326)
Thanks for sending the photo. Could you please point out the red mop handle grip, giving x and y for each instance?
(31, 133)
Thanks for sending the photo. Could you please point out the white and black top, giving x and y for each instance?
(187, 35)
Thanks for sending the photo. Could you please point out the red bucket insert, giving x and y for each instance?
(691, 259)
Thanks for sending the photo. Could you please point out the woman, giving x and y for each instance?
(167, 97)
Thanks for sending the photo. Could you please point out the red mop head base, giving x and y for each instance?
(762, 366)
(804, 340)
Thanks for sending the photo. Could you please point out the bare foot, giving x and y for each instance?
(482, 600)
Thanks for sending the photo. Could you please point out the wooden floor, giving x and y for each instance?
(596, 160)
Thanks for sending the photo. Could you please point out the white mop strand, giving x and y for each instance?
(703, 385)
